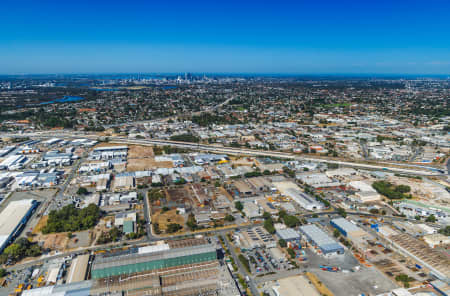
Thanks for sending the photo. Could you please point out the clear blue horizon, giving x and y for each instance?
(257, 37)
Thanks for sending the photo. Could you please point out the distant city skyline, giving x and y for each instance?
(255, 37)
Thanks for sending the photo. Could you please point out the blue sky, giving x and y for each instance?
(297, 37)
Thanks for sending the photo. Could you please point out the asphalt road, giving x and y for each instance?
(242, 270)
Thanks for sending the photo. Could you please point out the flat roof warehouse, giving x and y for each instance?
(13, 218)
(322, 240)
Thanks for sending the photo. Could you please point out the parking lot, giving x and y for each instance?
(262, 262)
(351, 278)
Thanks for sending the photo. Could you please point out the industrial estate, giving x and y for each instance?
(219, 185)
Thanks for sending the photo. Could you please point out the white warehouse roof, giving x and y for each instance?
(11, 217)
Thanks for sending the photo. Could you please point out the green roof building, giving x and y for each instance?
(132, 262)
(128, 226)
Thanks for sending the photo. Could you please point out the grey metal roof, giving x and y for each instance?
(346, 225)
(288, 234)
(134, 258)
(320, 238)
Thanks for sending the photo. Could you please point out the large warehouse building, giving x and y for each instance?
(138, 262)
(13, 218)
(184, 267)
(323, 241)
(347, 228)
(304, 200)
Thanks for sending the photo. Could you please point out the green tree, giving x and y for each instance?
(336, 233)
(173, 227)
(341, 212)
(238, 205)
(268, 225)
(291, 221)
(445, 230)
(191, 222)
(291, 253)
(229, 218)
(282, 243)
(82, 191)
(431, 219)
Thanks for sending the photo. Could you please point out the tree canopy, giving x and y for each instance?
(72, 219)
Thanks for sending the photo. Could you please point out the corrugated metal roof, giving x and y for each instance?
(134, 258)
(320, 238)
(346, 225)
(288, 234)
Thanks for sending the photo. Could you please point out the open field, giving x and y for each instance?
(55, 241)
(137, 151)
(107, 144)
(163, 219)
(143, 164)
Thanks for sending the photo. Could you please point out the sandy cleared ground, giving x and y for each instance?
(167, 218)
(55, 241)
(136, 151)
(107, 144)
(146, 164)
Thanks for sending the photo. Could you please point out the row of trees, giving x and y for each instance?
(20, 249)
(185, 138)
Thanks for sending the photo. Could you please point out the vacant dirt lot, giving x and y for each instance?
(166, 218)
(143, 164)
(107, 144)
(136, 151)
(55, 241)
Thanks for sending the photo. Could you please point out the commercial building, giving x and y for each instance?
(57, 158)
(436, 239)
(181, 267)
(347, 228)
(364, 192)
(320, 239)
(135, 261)
(412, 208)
(288, 234)
(243, 189)
(176, 159)
(305, 201)
(124, 181)
(72, 289)
(317, 180)
(13, 162)
(78, 269)
(110, 152)
(252, 210)
(13, 218)
(294, 286)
